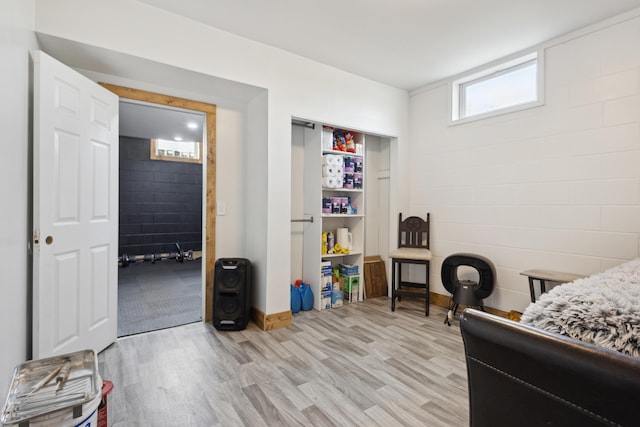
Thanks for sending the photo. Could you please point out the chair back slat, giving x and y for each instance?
(413, 232)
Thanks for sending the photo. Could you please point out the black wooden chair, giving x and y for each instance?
(413, 248)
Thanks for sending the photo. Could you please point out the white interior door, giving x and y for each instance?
(75, 206)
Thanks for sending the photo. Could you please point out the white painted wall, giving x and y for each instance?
(256, 191)
(16, 38)
(230, 176)
(296, 87)
(556, 187)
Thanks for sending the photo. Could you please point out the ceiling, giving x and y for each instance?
(153, 121)
(402, 43)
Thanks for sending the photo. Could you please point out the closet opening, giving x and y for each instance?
(340, 213)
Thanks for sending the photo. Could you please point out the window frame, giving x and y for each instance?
(488, 72)
(154, 155)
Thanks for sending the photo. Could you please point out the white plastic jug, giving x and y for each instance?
(344, 238)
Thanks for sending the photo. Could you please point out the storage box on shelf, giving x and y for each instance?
(334, 192)
(337, 298)
(325, 288)
(349, 270)
(351, 287)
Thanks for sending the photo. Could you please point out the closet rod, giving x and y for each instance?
(303, 220)
(304, 124)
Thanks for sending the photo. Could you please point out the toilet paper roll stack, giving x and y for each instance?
(333, 160)
(332, 182)
(332, 171)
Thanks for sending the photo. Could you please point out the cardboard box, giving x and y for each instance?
(327, 138)
(348, 282)
(352, 295)
(325, 283)
(325, 300)
(349, 270)
(350, 286)
(336, 298)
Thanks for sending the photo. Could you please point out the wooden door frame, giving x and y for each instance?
(210, 159)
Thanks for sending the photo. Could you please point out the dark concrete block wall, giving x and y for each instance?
(160, 202)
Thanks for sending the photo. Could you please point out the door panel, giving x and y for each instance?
(65, 295)
(100, 179)
(67, 169)
(75, 211)
(100, 286)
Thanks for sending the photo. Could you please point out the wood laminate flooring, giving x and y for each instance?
(358, 365)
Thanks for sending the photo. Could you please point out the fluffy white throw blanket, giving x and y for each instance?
(603, 309)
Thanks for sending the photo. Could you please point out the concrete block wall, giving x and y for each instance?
(553, 187)
(160, 202)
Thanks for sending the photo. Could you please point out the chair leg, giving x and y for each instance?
(399, 283)
(426, 287)
(396, 285)
(393, 285)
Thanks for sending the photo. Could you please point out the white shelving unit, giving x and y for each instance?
(316, 141)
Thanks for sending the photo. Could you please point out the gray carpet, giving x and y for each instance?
(158, 296)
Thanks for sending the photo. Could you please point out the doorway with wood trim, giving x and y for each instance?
(208, 184)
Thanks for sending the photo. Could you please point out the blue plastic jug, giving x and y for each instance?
(296, 300)
(307, 296)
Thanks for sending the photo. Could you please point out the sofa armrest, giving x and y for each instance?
(521, 375)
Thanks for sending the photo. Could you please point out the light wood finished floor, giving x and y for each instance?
(359, 365)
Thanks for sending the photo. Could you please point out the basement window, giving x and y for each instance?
(176, 151)
(504, 88)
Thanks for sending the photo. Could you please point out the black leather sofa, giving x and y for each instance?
(519, 375)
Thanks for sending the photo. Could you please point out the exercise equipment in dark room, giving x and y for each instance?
(179, 255)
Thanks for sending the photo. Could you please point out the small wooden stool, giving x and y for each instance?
(544, 276)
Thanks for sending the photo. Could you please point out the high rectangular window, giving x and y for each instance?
(506, 87)
(176, 151)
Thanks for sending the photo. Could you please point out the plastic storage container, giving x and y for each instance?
(57, 391)
(103, 408)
